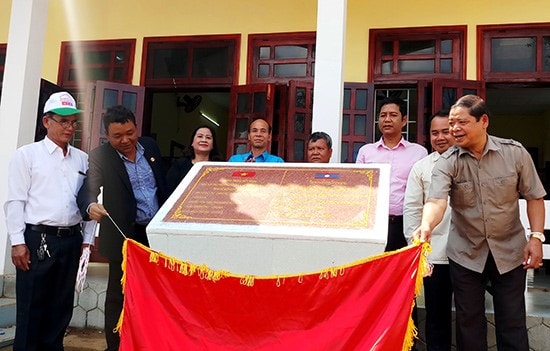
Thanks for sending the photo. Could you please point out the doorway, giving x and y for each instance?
(174, 116)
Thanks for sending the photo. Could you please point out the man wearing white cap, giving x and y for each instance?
(44, 226)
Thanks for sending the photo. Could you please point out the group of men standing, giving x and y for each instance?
(52, 196)
(52, 207)
(479, 239)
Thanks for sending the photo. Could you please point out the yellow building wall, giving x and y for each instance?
(121, 19)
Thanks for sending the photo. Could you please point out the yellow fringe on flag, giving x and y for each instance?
(423, 268)
(188, 269)
(123, 282)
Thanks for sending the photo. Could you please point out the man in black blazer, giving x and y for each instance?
(130, 170)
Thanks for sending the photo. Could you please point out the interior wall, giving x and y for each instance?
(520, 128)
(172, 122)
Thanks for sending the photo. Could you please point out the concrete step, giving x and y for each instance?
(6, 336)
(7, 312)
(7, 321)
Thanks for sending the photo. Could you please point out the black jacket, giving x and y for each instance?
(107, 169)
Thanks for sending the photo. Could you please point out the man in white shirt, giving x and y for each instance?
(44, 226)
(437, 287)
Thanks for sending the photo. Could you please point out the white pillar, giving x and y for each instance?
(329, 69)
(20, 91)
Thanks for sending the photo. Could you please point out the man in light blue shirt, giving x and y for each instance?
(259, 138)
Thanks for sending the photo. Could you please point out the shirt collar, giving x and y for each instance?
(402, 142)
(139, 153)
(51, 146)
(490, 145)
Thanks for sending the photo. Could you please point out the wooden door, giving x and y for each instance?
(247, 103)
(298, 120)
(99, 97)
(358, 119)
(445, 92)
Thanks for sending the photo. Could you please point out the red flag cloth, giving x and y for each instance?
(175, 305)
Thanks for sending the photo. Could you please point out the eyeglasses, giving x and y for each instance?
(66, 124)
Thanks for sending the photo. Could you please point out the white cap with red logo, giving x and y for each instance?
(62, 104)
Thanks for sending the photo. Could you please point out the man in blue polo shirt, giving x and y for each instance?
(259, 138)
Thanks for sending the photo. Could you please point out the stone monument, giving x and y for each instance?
(266, 219)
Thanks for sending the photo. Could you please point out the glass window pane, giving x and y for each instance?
(361, 99)
(290, 70)
(416, 66)
(97, 74)
(313, 48)
(96, 57)
(300, 123)
(387, 48)
(110, 98)
(243, 103)
(299, 146)
(241, 128)
(360, 125)
(240, 148)
(265, 52)
(169, 63)
(416, 47)
(446, 66)
(450, 95)
(259, 102)
(290, 51)
(447, 46)
(118, 74)
(120, 56)
(387, 67)
(344, 152)
(545, 55)
(300, 97)
(129, 100)
(356, 147)
(263, 71)
(347, 99)
(469, 92)
(2, 58)
(513, 54)
(313, 69)
(345, 124)
(210, 62)
(72, 75)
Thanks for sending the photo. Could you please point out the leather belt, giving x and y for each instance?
(395, 218)
(57, 231)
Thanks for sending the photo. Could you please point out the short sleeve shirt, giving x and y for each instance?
(484, 197)
(263, 157)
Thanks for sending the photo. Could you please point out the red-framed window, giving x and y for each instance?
(89, 61)
(417, 53)
(514, 53)
(3, 48)
(281, 57)
(357, 119)
(172, 62)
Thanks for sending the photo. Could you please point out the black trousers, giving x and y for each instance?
(438, 297)
(509, 304)
(114, 298)
(45, 293)
(396, 237)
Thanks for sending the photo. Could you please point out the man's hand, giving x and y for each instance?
(424, 235)
(21, 257)
(97, 212)
(532, 254)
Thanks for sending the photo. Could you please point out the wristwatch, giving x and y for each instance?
(538, 235)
